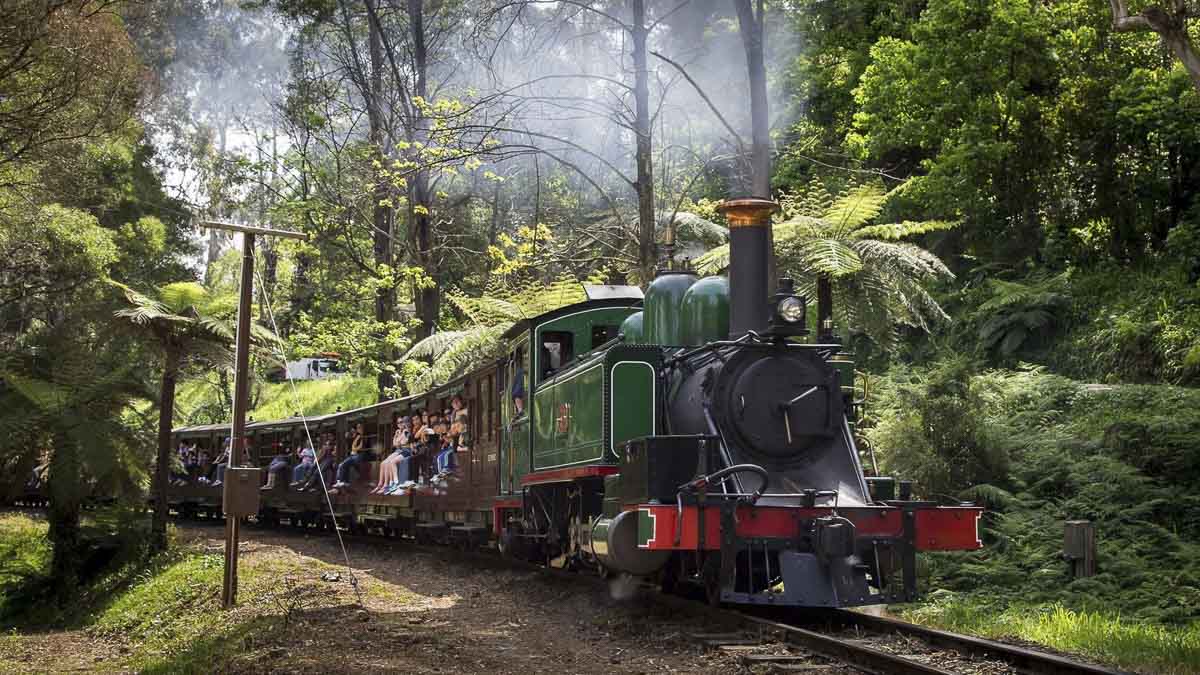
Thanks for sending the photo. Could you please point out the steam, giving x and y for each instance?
(551, 83)
(623, 587)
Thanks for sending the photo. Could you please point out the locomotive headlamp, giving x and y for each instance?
(791, 310)
(788, 311)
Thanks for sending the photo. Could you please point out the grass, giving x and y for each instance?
(170, 615)
(196, 400)
(161, 613)
(315, 397)
(24, 555)
(1106, 637)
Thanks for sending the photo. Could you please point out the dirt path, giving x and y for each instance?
(421, 612)
(426, 613)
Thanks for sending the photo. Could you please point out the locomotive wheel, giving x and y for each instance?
(711, 577)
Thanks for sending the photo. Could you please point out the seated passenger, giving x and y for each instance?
(37, 477)
(389, 469)
(224, 463)
(179, 461)
(325, 468)
(205, 468)
(178, 469)
(279, 463)
(305, 466)
(425, 444)
(191, 464)
(445, 457)
(358, 455)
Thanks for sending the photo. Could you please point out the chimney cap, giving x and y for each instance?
(747, 202)
(743, 211)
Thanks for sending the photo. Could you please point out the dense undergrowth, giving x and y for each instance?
(1104, 428)
(116, 545)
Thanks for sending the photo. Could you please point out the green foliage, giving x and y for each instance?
(1132, 325)
(313, 397)
(928, 429)
(1125, 457)
(113, 550)
(358, 342)
(1018, 313)
(24, 557)
(49, 257)
(879, 281)
(452, 353)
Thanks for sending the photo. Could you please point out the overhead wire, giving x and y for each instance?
(266, 294)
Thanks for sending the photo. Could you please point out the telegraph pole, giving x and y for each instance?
(241, 490)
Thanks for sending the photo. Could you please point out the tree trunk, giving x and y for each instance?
(162, 467)
(214, 235)
(64, 482)
(750, 25)
(428, 299)
(381, 213)
(647, 248)
(493, 230)
(1171, 27)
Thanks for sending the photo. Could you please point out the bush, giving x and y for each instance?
(1038, 449)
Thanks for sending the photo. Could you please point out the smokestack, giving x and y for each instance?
(748, 220)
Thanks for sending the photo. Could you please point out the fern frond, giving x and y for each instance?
(183, 296)
(829, 256)
(690, 225)
(713, 261)
(434, 345)
(858, 206)
(903, 229)
(487, 310)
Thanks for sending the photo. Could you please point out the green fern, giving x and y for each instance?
(452, 353)
(1017, 312)
(879, 279)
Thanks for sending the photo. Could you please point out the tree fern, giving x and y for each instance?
(858, 206)
(452, 353)
(878, 279)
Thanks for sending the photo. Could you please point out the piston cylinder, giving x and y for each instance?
(614, 542)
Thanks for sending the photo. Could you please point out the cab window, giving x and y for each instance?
(557, 349)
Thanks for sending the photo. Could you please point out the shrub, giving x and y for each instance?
(1125, 457)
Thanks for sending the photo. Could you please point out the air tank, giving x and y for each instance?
(661, 314)
(704, 311)
(631, 329)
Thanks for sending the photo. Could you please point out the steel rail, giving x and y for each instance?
(860, 656)
(1022, 659)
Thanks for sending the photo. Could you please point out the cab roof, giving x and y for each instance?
(627, 300)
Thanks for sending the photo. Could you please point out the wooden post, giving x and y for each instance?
(1079, 547)
(241, 399)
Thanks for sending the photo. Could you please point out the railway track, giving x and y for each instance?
(872, 644)
(886, 646)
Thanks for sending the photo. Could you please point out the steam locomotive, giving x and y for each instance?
(691, 435)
